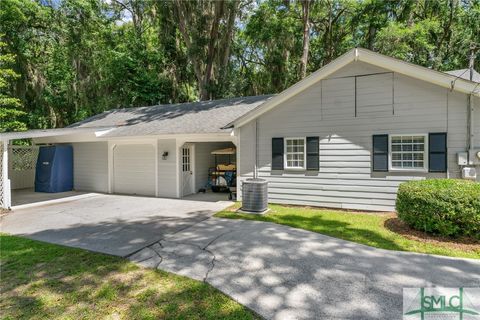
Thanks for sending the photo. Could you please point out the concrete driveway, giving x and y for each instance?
(285, 273)
(112, 224)
(278, 271)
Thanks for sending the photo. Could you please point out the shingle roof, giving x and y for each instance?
(193, 117)
(465, 74)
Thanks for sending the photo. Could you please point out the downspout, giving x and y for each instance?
(448, 130)
(470, 116)
(470, 126)
(255, 167)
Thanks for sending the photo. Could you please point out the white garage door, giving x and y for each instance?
(134, 169)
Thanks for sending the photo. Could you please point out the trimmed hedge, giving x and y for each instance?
(447, 207)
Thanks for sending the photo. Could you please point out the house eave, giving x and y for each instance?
(49, 133)
(191, 137)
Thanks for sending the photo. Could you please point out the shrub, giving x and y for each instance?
(447, 207)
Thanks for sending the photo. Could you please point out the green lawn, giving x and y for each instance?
(365, 228)
(45, 281)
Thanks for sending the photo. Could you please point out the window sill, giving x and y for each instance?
(295, 169)
(423, 170)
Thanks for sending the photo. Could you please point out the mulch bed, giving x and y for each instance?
(396, 225)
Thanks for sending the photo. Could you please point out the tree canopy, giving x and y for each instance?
(64, 60)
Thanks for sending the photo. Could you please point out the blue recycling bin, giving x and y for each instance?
(54, 169)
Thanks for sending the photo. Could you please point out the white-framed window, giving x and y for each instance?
(408, 152)
(295, 153)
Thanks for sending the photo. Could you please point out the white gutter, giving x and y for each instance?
(45, 133)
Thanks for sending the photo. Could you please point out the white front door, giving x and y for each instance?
(187, 170)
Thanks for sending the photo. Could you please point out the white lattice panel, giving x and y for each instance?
(22, 162)
(23, 158)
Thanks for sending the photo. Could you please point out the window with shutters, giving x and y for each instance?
(295, 155)
(408, 152)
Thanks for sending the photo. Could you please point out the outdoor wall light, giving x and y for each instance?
(165, 155)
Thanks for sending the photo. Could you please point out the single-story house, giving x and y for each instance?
(344, 137)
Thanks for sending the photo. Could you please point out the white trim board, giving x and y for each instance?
(90, 137)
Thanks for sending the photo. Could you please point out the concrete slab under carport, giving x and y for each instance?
(27, 197)
(112, 224)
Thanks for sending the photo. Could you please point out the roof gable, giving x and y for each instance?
(358, 54)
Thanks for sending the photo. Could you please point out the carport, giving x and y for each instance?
(162, 151)
(18, 162)
(172, 166)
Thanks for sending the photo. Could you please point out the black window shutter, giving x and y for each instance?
(313, 153)
(277, 153)
(437, 152)
(380, 152)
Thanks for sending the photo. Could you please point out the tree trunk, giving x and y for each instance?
(306, 37)
(218, 13)
(207, 30)
(227, 40)
(182, 18)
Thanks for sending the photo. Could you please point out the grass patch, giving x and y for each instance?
(364, 228)
(45, 281)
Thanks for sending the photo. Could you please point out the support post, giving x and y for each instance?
(6, 192)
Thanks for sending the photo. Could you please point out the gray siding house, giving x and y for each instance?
(344, 137)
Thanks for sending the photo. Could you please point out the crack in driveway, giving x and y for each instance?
(152, 247)
(127, 256)
(214, 257)
(160, 254)
(286, 273)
